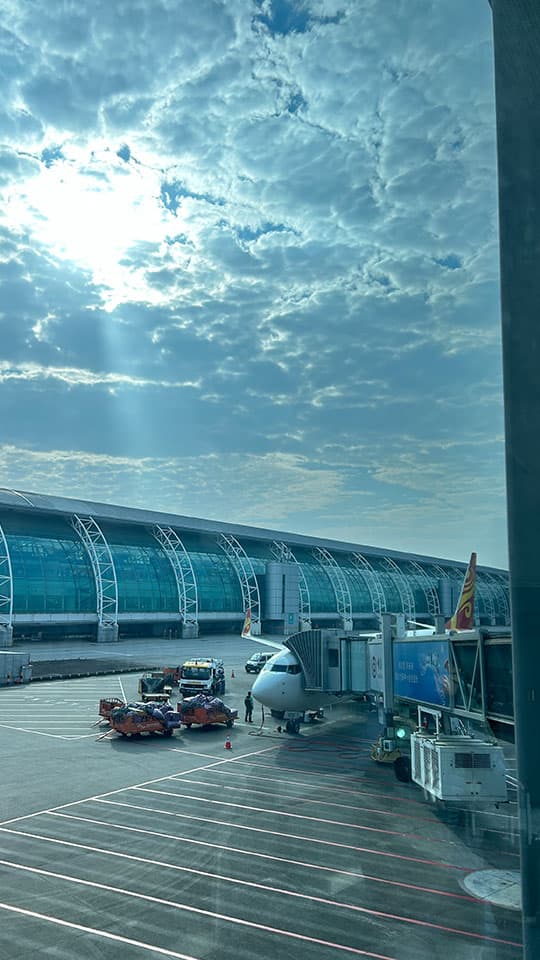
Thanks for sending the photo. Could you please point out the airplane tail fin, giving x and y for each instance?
(246, 629)
(463, 618)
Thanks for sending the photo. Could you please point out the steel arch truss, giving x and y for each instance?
(103, 567)
(499, 596)
(6, 583)
(188, 601)
(372, 581)
(406, 595)
(485, 591)
(251, 599)
(284, 554)
(429, 591)
(339, 585)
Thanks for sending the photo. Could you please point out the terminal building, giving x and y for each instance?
(72, 568)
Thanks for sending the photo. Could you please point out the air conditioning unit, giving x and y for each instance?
(458, 768)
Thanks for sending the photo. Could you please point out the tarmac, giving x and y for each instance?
(283, 846)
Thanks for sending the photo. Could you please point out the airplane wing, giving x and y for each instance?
(267, 643)
(247, 634)
(424, 628)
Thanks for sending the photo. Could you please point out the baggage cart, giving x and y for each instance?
(205, 718)
(106, 707)
(127, 727)
(133, 722)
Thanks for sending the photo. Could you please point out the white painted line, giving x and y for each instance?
(214, 915)
(274, 833)
(300, 799)
(192, 753)
(296, 816)
(111, 793)
(37, 733)
(216, 876)
(97, 933)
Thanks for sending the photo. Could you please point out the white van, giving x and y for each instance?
(257, 662)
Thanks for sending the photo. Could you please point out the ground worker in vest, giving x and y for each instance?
(248, 703)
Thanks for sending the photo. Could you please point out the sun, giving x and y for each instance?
(93, 208)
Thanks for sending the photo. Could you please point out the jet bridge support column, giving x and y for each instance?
(386, 708)
(516, 31)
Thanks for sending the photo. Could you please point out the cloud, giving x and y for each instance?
(256, 232)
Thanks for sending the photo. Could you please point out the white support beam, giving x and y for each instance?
(485, 591)
(6, 583)
(500, 597)
(406, 595)
(429, 591)
(372, 581)
(243, 567)
(188, 602)
(103, 567)
(339, 585)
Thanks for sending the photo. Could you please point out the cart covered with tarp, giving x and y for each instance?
(205, 711)
(134, 719)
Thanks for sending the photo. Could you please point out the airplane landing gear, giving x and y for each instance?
(292, 726)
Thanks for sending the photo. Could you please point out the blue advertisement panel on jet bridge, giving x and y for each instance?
(422, 671)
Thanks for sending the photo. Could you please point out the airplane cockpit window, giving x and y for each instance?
(279, 668)
(294, 668)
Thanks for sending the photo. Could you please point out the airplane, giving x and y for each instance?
(280, 685)
(463, 616)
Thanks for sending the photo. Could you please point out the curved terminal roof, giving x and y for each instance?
(22, 500)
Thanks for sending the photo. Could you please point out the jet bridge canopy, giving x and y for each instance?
(333, 661)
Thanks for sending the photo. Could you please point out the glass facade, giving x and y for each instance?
(52, 574)
(50, 567)
(321, 593)
(360, 595)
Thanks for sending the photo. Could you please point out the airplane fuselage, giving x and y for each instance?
(280, 686)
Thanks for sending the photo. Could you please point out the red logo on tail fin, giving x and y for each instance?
(246, 629)
(463, 618)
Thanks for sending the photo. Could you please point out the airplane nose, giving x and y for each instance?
(268, 689)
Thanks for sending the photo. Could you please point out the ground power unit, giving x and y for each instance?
(458, 768)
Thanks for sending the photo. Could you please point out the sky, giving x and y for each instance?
(249, 264)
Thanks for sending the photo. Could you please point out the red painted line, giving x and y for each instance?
(392, 797)
(288, 836)
(249, 923)
(295, 816)
(225, 878)
(303, 799)
(213, 915)
(266, 856)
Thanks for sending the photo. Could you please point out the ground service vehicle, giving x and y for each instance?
(257, 662)
(204, 675)
(155, 686)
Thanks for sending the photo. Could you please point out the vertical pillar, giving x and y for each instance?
(386, 715)
(6, 635)
(516, 31)
(107, 633)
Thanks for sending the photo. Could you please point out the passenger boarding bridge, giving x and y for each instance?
(468, 674)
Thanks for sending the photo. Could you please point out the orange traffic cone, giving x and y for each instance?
(232, 675)
(228, 744)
